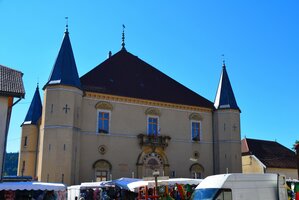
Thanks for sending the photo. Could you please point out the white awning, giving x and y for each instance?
(32, 186)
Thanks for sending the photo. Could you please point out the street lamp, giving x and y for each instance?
(156, 173)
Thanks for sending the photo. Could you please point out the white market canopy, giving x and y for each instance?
(32, 186)
(94, 184)
(132, 184)
(170, 182)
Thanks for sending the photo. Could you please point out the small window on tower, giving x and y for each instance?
(23, 167)
(25, 141)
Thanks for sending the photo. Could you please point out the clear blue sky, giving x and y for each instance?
(184, 39)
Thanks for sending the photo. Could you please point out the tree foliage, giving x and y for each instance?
(11, 164)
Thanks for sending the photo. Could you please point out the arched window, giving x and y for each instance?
(102, 169)
(196, 171)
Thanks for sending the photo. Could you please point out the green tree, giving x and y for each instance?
(11, 164)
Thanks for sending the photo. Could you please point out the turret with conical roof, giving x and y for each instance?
(30, 134)
(64, 71)
(227, 131)
(35, 110)
(225, 98)
(60, 125)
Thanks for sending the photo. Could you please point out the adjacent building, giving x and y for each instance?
(125, 118)
(11, 86)
(262, 156)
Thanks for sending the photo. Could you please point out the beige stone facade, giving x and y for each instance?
(92, 136)
(72, 151)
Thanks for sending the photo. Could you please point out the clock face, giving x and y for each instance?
(102, 149)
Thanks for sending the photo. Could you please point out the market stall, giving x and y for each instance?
(32, 191)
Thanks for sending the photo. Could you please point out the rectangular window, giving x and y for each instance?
(103, 122)
(195, 129)
(23, 167)
(25, 141)
(153, 126)
(101, 175)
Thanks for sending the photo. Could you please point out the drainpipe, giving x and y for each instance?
(9, 110)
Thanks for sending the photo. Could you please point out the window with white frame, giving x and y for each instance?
(195, 130)
(153, 125)
(103, 121)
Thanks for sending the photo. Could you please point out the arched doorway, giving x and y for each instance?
(102, 170)
(196, 171)
(150, 162)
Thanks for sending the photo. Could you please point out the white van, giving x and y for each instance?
(242, 187)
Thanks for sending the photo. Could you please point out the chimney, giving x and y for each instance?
(109, 54)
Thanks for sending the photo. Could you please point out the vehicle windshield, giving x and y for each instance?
(205, 194)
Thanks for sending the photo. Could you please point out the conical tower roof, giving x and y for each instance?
(64, 71)
(35, 110)
(225, 98)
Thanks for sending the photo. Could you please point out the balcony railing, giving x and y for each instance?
(153, 140)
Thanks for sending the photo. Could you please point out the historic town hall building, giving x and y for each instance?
(125, 118)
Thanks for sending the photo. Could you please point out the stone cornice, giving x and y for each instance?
(115, 98)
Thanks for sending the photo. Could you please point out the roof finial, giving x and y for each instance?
(66, 24)
(123, 38)
(223, 60)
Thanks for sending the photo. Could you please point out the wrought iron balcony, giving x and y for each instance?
(153, 140)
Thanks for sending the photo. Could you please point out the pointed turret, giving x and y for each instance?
(35, 110)
(227, 128)
(30, 134)
(225, 98)
(64, 71)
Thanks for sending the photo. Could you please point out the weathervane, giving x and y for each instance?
(123, 38)
(66, 24)
(223, 60)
